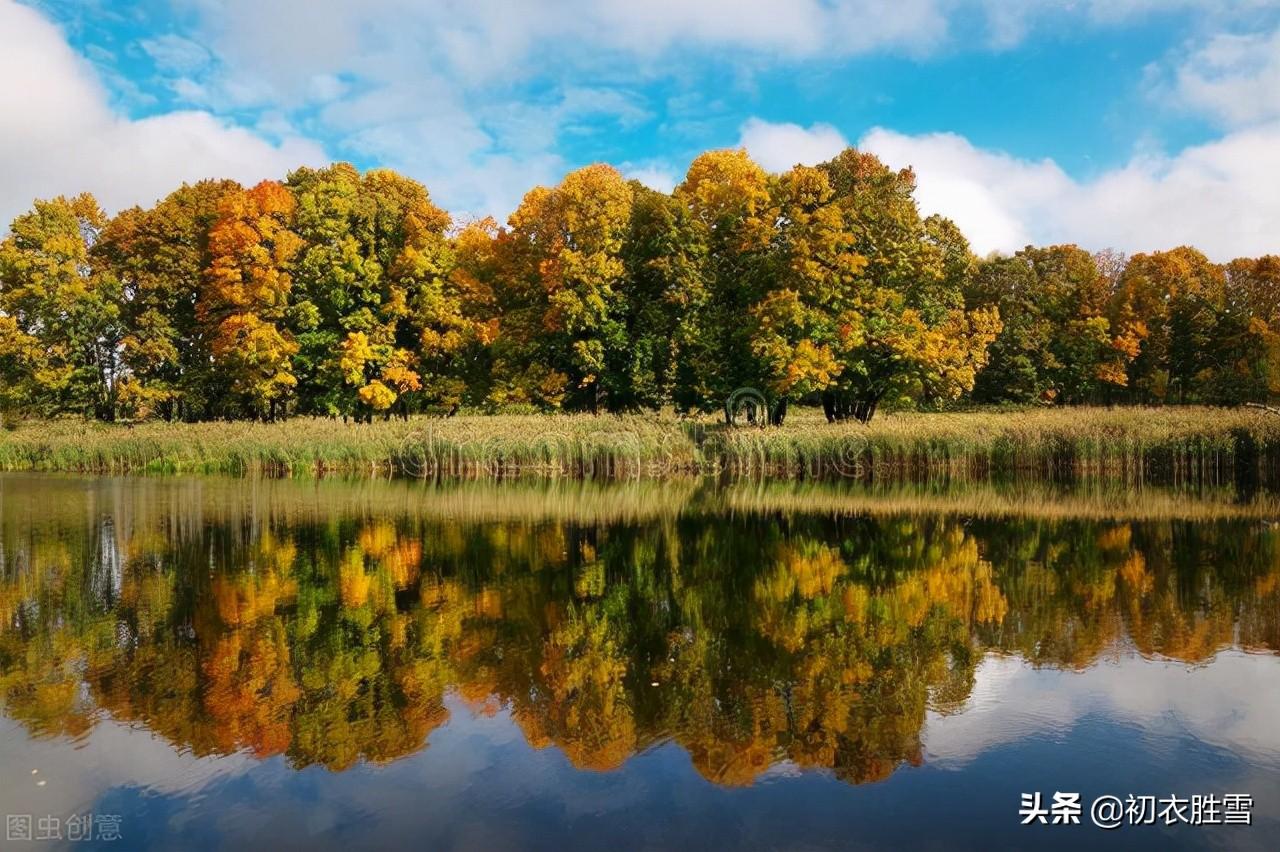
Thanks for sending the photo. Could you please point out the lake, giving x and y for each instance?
(205, 663)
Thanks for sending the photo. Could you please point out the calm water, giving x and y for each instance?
(248, 664)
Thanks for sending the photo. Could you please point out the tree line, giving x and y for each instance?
(338, 293)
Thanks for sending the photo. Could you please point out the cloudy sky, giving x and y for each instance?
(1133, 124)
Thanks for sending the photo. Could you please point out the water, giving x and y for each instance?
(251, 664)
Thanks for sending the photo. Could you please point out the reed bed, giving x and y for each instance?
(1180, 443)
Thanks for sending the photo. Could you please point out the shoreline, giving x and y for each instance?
(1124, 442)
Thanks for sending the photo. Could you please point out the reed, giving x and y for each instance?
(1180, 443)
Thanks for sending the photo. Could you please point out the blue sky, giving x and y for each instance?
(1135, 124)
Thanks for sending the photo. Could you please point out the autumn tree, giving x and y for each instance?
(1056, 343)
(372, 302)
(729, 223)
(1169, 303)
(909, 334)
(1244, 357)
(474, 279)
(59, 320)
(244, 307)
(664, 263)
(158, 258)
(421, 301)
(563, 290)
(807, 314)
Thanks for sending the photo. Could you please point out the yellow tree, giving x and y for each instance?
(1168, 303)
(563, 286)
(59, 338)
(907, 334)
(731, 220)
(804, 319)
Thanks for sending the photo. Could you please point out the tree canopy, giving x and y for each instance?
(341, 293)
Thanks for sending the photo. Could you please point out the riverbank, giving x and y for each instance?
(1177, 442)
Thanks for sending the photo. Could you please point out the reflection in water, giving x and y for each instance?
(295, 620)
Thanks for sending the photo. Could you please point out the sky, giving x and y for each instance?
(1136, 125)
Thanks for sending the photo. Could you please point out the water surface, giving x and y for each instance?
(231, 663)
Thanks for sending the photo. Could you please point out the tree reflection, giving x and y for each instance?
(750, 639)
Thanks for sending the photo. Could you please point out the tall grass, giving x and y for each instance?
(1184, 443)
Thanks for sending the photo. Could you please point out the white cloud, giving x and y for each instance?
(426, 88)
(778, 147)
(112, 755)
(1009, 21)
(477, 161)
(1235, 78)
(1222, 197)
(486, 40)
(172, 52)
(655, 176)
(59, 136)
(1011, 700)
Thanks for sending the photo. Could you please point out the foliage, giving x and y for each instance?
(157, 258)
(346, 294)
(245, 304)
(59, 320)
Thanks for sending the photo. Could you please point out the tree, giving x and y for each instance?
(1244, 356)
(564, 289)
(158, 258)
(422, 303)
(24, 371)
(371, 279)
(474, 279)
(909, 335)
(1168, 303)
(729, 219)
(246, 299)
(804, 321)
(1056, 343)
(59, 321)
(336, 279)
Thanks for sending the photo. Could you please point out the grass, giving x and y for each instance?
(1184, 443)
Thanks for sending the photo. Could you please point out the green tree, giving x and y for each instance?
(664, 258)
(909, 336)
(1056, 342)
(158, 257)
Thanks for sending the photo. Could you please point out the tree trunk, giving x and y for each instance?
(779, 412)
(838, 408)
